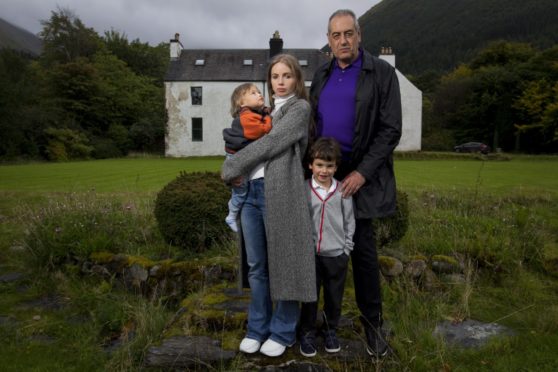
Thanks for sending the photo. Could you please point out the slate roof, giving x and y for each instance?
(228, 64)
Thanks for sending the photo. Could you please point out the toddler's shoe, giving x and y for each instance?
(231, 221)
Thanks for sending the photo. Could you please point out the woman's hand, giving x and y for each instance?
(236, 182)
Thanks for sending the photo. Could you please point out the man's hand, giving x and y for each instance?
(352, 183)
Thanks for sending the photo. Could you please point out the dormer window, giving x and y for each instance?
(200, 62)
(248, 62)
(303, 62)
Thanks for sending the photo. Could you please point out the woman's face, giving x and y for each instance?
(283, 81)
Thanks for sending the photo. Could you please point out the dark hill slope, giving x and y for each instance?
(439, 34)
(13, 37)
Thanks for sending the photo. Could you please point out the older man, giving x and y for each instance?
(356, 100)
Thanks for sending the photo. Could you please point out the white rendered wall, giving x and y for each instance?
(411, 105)
(214, 112)
(215, 107)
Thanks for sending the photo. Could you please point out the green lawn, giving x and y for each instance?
(111, 175)
(146, 175)
(499, 177)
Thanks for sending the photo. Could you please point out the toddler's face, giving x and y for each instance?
(253, 99)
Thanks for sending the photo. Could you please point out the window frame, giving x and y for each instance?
(196, 96)
(197, 129)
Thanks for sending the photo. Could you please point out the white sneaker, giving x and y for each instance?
(272, 348)
(249, 345)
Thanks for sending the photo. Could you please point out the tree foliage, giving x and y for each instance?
(505, 96)
(84, 96)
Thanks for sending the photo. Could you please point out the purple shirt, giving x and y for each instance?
(336, 106)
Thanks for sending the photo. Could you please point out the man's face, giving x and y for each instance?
(343, 39)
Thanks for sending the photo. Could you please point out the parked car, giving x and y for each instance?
(472, 147)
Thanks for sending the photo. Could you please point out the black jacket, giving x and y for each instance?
(377, 132)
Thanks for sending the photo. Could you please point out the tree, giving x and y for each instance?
(65, 38)
(492, 99)
(140, 57)
(18, 102)
(538, 106)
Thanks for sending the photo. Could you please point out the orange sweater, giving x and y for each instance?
(247, 127)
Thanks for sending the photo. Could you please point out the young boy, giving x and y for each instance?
(334, 226)
(251, 121)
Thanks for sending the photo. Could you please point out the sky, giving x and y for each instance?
(201, 23)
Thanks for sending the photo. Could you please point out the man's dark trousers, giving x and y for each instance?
(366, 270)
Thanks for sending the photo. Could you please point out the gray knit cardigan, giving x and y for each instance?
(290, 250)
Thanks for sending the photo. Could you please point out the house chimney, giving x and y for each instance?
(275, 45)
(387, 55)
(175, 47)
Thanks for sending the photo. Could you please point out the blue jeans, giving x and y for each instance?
(264, 321)
(238, 195)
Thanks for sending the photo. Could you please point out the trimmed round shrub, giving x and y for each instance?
(191, 210)
(391, 229)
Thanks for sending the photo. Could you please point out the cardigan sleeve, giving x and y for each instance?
(288, 129)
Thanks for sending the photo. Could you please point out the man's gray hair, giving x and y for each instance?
(343, 12)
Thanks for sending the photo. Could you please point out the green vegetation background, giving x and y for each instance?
(501, 213)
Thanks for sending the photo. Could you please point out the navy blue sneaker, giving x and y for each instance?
(376, 344)
(331, 342)
(308, 344)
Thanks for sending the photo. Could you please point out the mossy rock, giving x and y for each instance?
(101, 257)
(140, 261)
(445, 264)
(390, 266)
(213, 311)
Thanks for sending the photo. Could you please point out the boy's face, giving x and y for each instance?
(252, 99)
(323, 171)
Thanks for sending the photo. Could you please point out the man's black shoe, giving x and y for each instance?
(331, 342)
(376, 344)
(308, 344)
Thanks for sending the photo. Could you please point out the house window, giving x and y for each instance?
(196, 93)
(197, 130)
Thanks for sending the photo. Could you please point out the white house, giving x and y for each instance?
(199, 83)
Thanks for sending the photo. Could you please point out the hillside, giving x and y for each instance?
(17, 38)
(439, 34)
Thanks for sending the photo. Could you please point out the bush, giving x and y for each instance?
(105, 148)
(191, 210)
(64, 144)
(391, 229)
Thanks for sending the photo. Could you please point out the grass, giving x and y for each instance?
(124, 175)
(526, 176)
(502, 216)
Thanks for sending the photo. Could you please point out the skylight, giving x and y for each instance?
(303, 62)
(200, 62)
(248, 62)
